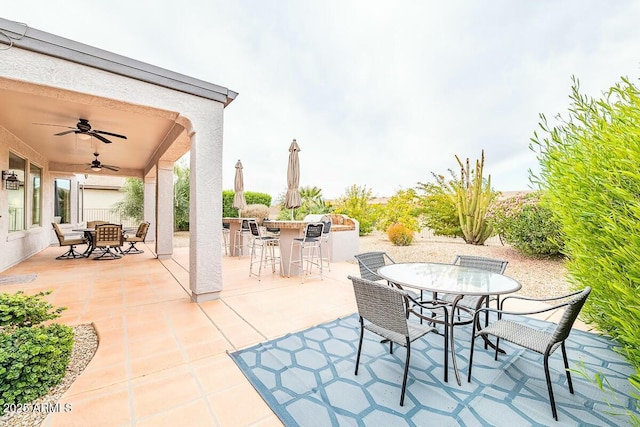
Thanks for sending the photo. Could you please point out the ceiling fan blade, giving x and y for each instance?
(100, 137)
(111, 168)
(66, 132)
(109, 133)
(49, 124)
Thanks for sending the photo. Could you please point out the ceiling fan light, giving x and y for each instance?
(96, 168)
(84, 136)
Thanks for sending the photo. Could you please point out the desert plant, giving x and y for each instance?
(312, 203)
(438, 206)
(473, 195)
(355, 203)
(403, 208)
(589, 168)
(400, 234)
(527, 225)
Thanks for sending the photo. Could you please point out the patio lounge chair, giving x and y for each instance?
(382, 310)
(71, 240)
(533, 339)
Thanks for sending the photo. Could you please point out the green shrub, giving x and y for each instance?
(589, 167)
(251, 197)
(32, 360)
(526, 225)
(355, 203)
(438, 206)
(400, 235)
(402, 208)
(20, 310)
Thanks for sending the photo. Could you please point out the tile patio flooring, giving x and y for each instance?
(162, 359)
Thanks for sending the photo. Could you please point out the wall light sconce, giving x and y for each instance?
(11, 181)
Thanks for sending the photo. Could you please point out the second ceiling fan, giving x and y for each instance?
(96, 165)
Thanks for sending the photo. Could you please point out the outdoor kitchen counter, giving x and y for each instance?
(343, 238)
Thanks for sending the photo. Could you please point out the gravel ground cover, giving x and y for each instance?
(539, 277)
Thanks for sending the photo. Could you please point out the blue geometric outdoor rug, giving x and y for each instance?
(307, 378)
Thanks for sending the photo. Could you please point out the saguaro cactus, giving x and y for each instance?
(472, 197)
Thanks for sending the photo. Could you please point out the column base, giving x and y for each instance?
(209, 296)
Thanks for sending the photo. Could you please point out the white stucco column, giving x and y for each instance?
(205, 215)
(164, 209)
(149, 206)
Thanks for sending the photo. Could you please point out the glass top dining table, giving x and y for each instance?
(449, 279)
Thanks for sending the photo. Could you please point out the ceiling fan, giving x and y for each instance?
(97, 166)
(83, 129)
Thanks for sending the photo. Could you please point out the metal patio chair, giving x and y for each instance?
(537, 340)
(382, 310)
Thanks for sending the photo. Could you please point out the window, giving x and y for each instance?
(62, 201)
(16, 198)
(35, 173)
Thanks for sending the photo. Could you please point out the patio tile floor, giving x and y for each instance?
(162, 359)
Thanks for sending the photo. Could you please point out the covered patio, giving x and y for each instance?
(162, 359)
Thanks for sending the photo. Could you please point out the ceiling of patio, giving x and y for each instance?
(145, 128)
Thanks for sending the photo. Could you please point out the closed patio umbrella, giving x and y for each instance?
(292, 198)
(239, 201)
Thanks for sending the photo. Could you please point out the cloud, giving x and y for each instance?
(376, 93)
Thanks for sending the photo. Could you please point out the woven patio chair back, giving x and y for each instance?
(370, 262)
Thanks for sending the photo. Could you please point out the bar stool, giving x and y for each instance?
(324, 242)
(267, 246)
(240, 238)
(225, 236)
(309, 250)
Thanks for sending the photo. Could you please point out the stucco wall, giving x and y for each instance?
(20, 245)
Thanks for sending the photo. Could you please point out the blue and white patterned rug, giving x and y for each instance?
(307, 378)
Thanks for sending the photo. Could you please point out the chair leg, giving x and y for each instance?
(446, 355)
(359, 344)
(473, 341)
(406, 372)
(70, 254)
(132, 249)
(566, 367)
(497, 348)
(549, 387)
(108, 254)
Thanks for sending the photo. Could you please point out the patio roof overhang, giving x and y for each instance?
(152, 131)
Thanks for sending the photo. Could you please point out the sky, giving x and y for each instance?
(377, 94)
